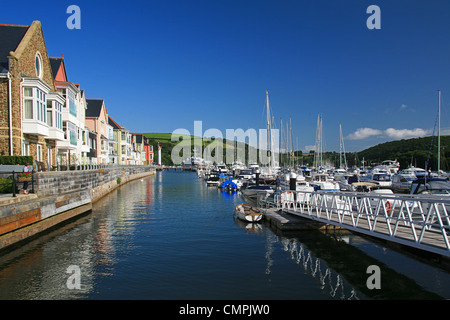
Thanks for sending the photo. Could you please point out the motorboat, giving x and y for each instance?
(408, 174)
(431, 186)
(253, 190)
(380, 175)
(221, 168)
(401, 183)
(246, 174)
(417, 172)
(213, 180)
(231, 185)
(248, 213)
(364, 186)
(345, 181)
(384, 180)
(322, 181)
(393, 165)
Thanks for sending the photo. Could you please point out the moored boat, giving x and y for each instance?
(248, 213)
(252, 191)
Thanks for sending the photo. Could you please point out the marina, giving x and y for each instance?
(170, 236)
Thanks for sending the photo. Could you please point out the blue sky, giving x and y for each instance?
(161, 65)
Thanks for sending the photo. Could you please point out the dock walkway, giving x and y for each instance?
(286, 221)
(421, 222)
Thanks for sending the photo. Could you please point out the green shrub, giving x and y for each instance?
(12, 160)
(119, 180)
(6, 185)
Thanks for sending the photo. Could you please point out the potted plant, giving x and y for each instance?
(24, 176)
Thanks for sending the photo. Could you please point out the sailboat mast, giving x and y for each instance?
(269, 135)
(291, 142)
(342, 149)
(281, 143)
(319, 146)
(340, 146)
(439, 132)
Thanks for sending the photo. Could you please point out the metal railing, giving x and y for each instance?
(15, 182)
(421, 221)
(62, 166)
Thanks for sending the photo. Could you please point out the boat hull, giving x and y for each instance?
(248, 213)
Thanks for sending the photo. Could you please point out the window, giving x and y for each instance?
(35, 104)
(49, 114)
(72, 105)
(58, 115)
(39, 152)
(54, 115)
(28, 102)
(38, 65)
(25, 148)
(50, 156)
(70, 132)
(41, 105)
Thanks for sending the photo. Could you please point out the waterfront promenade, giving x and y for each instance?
(58, 197)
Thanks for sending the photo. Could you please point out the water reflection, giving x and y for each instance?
(171, 237)
(330, 256)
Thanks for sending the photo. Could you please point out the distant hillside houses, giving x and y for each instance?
(47, 116)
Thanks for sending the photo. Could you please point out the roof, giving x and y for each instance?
(94, 107)
(114, 124)
(57, 64)
(139, 137)
(10, 38)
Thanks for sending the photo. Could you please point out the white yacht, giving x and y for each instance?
(417, 172)
(393, 165)
(322, 181)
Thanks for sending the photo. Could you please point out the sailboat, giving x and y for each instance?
(320, 179)
(271, 165)
(439, 172)
(261, 191)
(342, 150)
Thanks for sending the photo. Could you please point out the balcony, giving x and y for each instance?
(55, 134)
(85, 147)
(66, 145)
(34, 127)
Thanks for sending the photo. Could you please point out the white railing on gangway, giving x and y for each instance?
(419, 220)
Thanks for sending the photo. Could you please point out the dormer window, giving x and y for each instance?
(38, 66)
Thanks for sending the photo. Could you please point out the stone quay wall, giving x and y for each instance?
(60, 196)
(98, 181)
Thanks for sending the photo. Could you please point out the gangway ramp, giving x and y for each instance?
(419, 221)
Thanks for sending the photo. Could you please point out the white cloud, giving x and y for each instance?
(403, 106)
(405, 133)
(307, 149)
(363, 133)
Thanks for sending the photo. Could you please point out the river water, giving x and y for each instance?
(171, 237)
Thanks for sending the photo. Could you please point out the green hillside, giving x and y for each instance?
(410, 151)
(164, 140)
